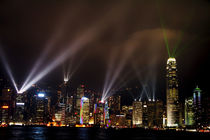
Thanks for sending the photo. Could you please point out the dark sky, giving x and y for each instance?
(128, 31)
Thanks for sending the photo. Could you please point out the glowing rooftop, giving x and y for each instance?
(171, 59)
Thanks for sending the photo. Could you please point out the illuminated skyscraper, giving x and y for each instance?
(172, 93)
(114, 103)
(42, 110)
(189, 112)
(197, 106)
(106, 110)
(99, 115)
(153, 113)
(84, 110)
(137, 113)
(6, 105)
(79, 95)
(20, 108)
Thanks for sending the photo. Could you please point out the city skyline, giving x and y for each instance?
(105, 66)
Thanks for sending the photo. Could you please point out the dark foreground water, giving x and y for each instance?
(42, 133)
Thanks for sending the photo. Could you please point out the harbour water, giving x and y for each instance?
(65, 133)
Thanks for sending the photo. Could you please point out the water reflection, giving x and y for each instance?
(43, 133)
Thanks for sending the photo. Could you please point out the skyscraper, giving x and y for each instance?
(197, 106)
(189, 112)
(20, 108)
(114, 103)
(79, 95)
(99, 115)
(172, 93)
(42, 110)
(137, 113)
(84, 110)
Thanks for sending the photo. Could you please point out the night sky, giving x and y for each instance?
(127, 32)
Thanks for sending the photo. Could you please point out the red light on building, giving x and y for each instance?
(102, 102)
(5, 107)
(82, 86)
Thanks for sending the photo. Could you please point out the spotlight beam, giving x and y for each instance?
(141, 94)
(42, 57)
(78, 44)
(128, 50)
(8, 69)
(70, 70)
(60, 58)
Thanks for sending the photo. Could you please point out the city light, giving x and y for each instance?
(5, 107)
(19, 92)
(129, 79)
(20, 104)
(41, 95)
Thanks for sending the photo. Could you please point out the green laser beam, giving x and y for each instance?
(177, 44)
(166, 40)
(163, 29)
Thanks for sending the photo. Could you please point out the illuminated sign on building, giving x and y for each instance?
(41, 95)
(5, 107)
(20, 103)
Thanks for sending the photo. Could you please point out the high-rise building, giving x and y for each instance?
(206, 109)
(6, 105)
(60, 109)
(106, 111)
(114, 103)
(99, 115)
(197, 106)
(145, 114)
(159, 109)
(20, 108)
(153, 113)
(172, 100)
(189, 112)
(137, 114)
(42, 108)
(84, 110)
(80, 93)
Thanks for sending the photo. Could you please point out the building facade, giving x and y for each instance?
(172, 98)
(137, 114)
(189, 112)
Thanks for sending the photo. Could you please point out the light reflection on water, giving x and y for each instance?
(48, 133)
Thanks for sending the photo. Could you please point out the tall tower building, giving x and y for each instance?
(80, 93)
(172, 93)
(114, 103)
(84, 110)
(197, 106)
(20, 108)
(189, 112)
(137, 113)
